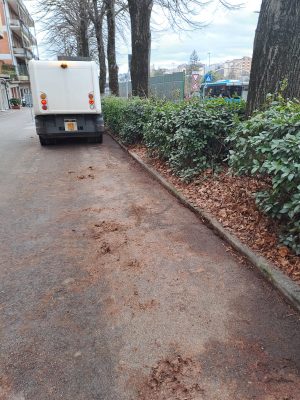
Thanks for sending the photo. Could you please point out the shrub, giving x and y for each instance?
(268, 145)
(137, 114)
(113, 110)
(161, 128)
(15, 101)
(191, 136)
(126, 118)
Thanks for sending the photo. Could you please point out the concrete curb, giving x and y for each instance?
(288, 288)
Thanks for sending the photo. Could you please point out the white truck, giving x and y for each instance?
(66, 100)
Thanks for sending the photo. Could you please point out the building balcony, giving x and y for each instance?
(21, 11)
(25, 36)
(8, 70)
(23, 78)
(19, 52)
(15, 25)
(23, 53)
(28, 36)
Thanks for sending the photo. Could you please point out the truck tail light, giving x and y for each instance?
(91, 101)
(44, 101)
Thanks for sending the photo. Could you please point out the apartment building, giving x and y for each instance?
(17, 46)
(238, 68)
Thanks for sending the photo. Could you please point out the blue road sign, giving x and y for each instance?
(208, 78)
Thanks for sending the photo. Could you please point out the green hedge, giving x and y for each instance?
(126, 118)
(268, 145)
(189, 136)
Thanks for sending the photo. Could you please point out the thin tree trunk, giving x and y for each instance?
(276, 54)
(98, 24)
(140, 15)
(113, 68)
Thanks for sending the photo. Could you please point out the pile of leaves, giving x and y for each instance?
(231, 200)
(267, 146)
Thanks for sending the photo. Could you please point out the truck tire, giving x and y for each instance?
(43, 141)
(98, 139)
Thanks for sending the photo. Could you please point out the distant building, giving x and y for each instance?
(16, 46)
(218, 69)
(189, 68)
(238, 68)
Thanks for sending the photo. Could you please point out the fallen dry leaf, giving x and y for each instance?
(283, 251)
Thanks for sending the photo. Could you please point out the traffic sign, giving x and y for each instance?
(208, 78)
(195, 81)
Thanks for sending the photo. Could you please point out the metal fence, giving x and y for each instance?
(169, 86)
(125, 89)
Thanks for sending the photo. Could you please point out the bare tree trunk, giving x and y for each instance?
(113, 68)
(140, 14)
(276, 52)
(98, 17)
(83, 39)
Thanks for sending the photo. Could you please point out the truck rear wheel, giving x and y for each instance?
(43, 141)
(98, 139)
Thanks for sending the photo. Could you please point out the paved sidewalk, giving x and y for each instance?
(111, 290)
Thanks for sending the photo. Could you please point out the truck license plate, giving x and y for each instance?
(71, 125)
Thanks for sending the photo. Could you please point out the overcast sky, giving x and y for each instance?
(229, 34)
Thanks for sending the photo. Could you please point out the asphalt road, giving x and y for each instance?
(111, 290)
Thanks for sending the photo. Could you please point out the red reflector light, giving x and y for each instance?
(45, 108)
(91, 102)
(44, 102)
